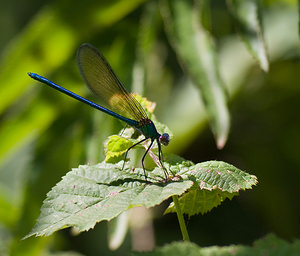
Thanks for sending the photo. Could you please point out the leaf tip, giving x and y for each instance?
(221, 141)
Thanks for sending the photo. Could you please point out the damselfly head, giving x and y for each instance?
(164, 139)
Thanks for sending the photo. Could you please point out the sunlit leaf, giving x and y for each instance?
(116, 147)
(214, 182)
(90, 194)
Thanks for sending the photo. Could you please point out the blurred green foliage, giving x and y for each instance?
(44, 134)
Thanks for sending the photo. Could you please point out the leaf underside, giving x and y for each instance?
(248, 21)
(197, 55)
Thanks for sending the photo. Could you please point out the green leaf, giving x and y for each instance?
(90, 194)
(214, 181)
(196, 51)
(115, 148)
(247, 18)
(220, 175)
(200, 201)
(269, 245)
(117, 145)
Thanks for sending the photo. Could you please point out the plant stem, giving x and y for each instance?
(185, 235)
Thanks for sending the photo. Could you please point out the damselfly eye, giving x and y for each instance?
(164, 139)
